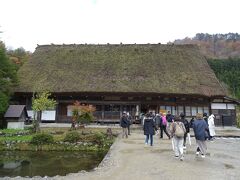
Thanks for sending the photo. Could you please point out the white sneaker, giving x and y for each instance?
(182, 158)
(184, 147)
(203, 156)
(197, 153)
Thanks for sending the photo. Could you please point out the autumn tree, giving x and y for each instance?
(82, 113)
(19, 56)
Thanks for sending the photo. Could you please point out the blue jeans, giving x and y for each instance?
(147, 139)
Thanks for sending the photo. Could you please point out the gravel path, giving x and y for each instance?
(130, 159)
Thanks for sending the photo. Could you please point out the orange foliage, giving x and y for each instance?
(83, 107)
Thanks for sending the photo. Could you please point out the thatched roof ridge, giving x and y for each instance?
(155, 68)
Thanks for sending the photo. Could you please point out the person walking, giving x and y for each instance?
(163, 126)
(149, 129)
(191, 122)
(205, 117)
(178, 131)
(211, 126)
(169, 117)
(129, 118)
(200, 128)
(124, 125)
(158, 121)
(187, 127)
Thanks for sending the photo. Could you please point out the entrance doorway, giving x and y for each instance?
(145, 108)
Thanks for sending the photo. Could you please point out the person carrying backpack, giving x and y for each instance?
(178, 130)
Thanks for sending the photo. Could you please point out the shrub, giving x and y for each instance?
(238, 116)
(42, 138)
(99, 138)
(72, 137)
(30, 129)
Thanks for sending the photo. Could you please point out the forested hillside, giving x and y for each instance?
(223, 54)
(219, 46)
(228, 71)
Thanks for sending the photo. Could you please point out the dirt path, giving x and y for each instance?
(129, 159)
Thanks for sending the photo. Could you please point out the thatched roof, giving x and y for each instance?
(154, 68)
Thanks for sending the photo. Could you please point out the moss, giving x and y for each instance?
(119, 68)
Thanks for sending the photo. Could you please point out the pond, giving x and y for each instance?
(28, 163)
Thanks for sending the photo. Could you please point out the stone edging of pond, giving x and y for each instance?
(105, 164)
(57, 146)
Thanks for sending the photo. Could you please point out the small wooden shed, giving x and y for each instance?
(15, 116)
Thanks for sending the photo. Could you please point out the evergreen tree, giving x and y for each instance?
(228, 71)
(8, 79)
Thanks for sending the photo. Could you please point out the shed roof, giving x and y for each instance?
(148, 68)
(15, 111)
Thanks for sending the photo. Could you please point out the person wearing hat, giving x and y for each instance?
(124, 125)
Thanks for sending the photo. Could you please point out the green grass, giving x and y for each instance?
(12, 131)
(16, 138)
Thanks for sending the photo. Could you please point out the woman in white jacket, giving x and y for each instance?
(211, 126)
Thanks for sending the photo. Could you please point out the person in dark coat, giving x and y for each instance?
(129, 117)
(187, 127)
(169, 117)
(124, 125)
(199, 128)
(205, 117)
(191, 122)
(149, 129)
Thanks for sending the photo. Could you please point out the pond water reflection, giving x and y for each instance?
(28, 163)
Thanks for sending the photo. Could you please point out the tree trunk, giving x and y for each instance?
(38, 121)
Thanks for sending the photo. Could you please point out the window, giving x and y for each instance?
(168, 108)
(107, 108)
(115, 108)
(180, 110)
(206, 110)
(188, 111)
(69, 110)
(162, 108)
(200, 110)
(174, 110)
(98, 107)
(194, 111)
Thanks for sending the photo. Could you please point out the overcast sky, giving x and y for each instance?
(26, 23)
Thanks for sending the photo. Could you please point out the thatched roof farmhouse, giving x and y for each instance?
(132, 77)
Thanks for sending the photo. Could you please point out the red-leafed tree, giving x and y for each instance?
(82, 113)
